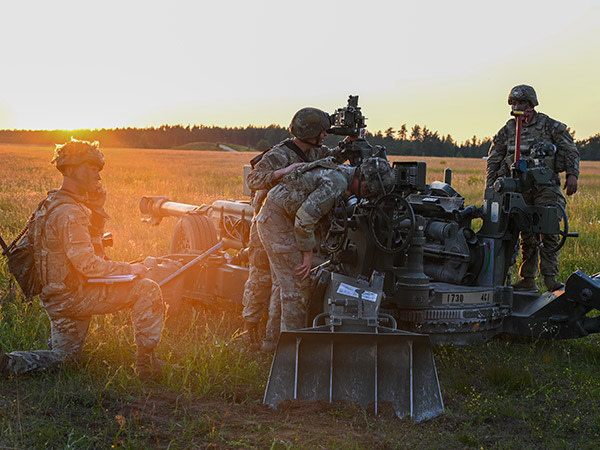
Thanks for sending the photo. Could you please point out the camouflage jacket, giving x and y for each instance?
(306, 195)
(260, 178)
(64, 251)
(541, 129)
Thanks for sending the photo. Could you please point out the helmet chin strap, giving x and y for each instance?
(312, 144)
(528, 114)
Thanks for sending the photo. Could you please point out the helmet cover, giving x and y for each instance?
(77, 152)
(523, 92)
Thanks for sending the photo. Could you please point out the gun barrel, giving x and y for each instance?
(229, 218)
(242, 210)
(159, 207)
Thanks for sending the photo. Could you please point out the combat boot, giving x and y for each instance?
(3, 364)
(147, 365)
(250, 335)
(268, 346)
(552, 283)
(525, 284)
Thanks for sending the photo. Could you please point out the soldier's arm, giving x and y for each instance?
(496, 155)
(566, 145)
(316, 205)
(339, 156)
(264, 175)
(77, 244)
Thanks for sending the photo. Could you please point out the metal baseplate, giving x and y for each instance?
(354, 359)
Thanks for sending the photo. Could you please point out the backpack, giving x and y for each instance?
(21, 264)
(21, 252)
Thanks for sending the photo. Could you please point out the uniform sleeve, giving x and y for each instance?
(337, 153)
(77, 244)
(261, 177)
(496, 155)
(316, 205)
(566, 146)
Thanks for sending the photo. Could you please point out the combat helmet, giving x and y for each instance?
(378, 175)
(77, 152)
(523, 92)
(309, 123)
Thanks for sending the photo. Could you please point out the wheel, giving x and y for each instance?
(392, 223)
(236, 229)
(338, 229)
(192, 234)
(563, 233)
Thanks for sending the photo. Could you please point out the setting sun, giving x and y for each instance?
(445, 65)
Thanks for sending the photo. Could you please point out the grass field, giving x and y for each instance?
(498, 395)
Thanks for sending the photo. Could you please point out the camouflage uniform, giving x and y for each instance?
(258, 289)
(541, 128)
(65, 257)
(286, 224)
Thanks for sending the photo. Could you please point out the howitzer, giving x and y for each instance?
(434, 275)
(392, 275)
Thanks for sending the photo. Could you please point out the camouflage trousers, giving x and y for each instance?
(70, 319)
(289, 309)
(530, 242)
(258, 287)
(260, 292)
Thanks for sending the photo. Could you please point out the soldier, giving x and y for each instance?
(64, 231)
(287, 221)
(537, 127)
(309, 128)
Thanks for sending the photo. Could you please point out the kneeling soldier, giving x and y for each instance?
(64, 234)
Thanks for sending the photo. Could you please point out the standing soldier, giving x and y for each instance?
(309, 128)
(64, 231)
(537, 128)
(287, 221)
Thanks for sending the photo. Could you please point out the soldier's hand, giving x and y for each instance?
(96, 200)
(303, 270)
(571, 184)
(282, 172)
(350, 138)
(139, 269)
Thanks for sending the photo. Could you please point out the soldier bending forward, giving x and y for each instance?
(287, 221)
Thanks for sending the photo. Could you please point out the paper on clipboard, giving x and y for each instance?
(112, 279)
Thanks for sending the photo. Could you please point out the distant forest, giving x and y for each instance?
(416, 141)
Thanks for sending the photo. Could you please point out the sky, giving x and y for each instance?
(447, 65)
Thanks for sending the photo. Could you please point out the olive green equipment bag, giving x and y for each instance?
(21, 264)
(20, 252)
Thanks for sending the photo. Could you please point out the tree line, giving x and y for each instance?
(416, 141)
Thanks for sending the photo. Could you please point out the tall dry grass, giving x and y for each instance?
(497, 395)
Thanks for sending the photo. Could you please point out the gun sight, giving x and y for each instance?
(347, 121)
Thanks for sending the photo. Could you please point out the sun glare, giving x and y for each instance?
(445, 65)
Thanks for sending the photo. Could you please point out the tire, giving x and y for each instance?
(193, 234)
